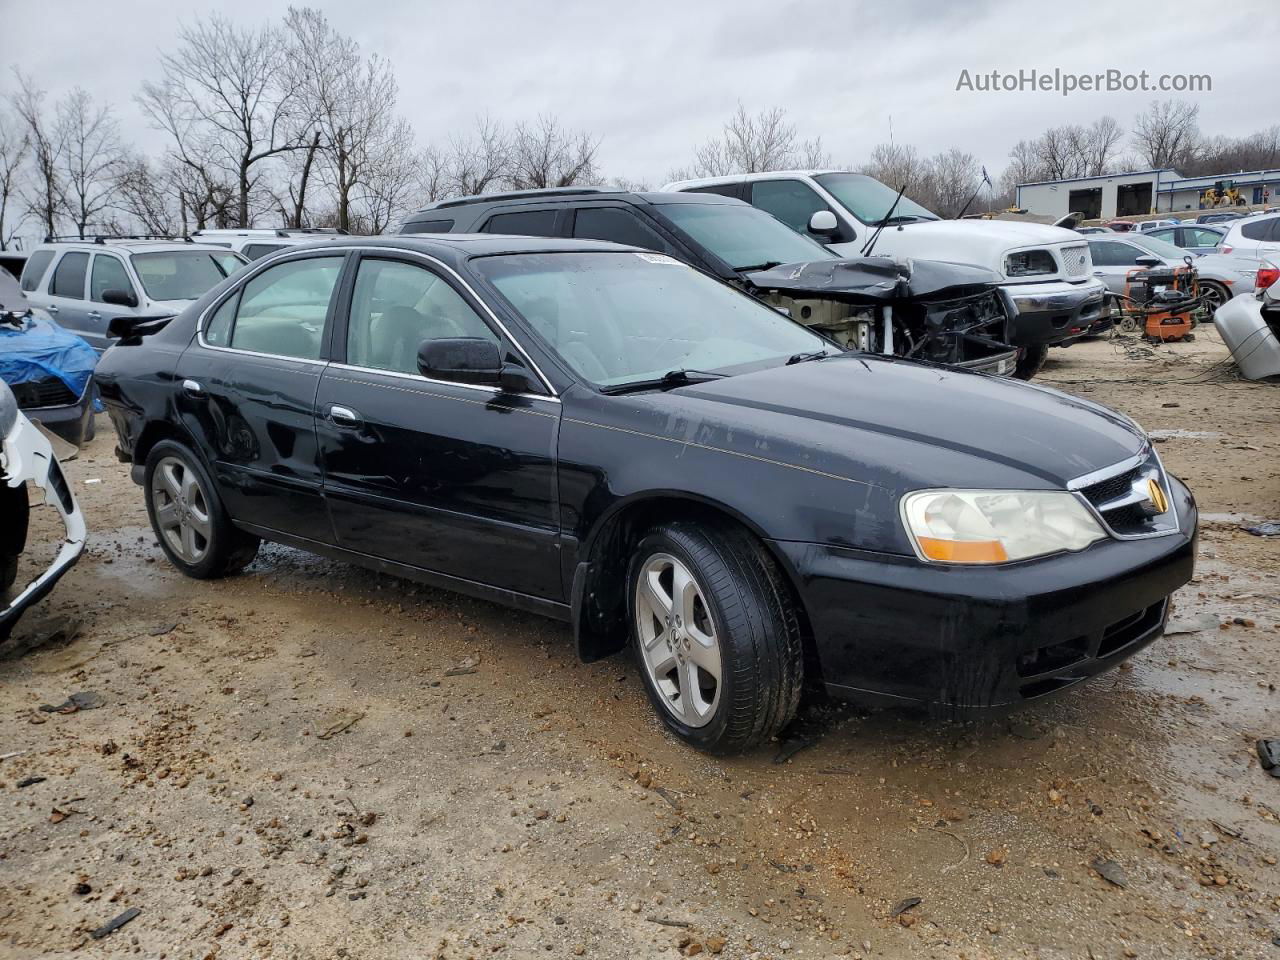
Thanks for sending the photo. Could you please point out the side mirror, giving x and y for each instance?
(823, 223)
(471, 360)
(120, 298)
(1148, 261)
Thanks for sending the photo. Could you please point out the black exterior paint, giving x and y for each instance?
(520, 497)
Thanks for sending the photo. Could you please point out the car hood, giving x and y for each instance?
(909, 425)
(982, 241)
(875, 280)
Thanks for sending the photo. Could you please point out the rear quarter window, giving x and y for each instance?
(428, 226)
(526, 223)
(1260, 229)
(33, 273)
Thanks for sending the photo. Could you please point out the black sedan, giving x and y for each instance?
(607, 436)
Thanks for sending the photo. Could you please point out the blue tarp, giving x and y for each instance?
(38, 348)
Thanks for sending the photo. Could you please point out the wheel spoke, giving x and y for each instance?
(705, 656)
(167, 516)
(190, 487)
(169, 477)
(684, 592)
(652, 593)
(189, 547)
(661, 660)
(690, 697)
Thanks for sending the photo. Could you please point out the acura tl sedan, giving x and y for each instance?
(607, 436)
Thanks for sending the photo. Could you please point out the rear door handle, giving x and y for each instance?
(192, 389)
(52, 308)
(344, 416)
(94, 315)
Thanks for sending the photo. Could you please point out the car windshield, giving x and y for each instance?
(742, 236)
(869, 200)
(1161, 248)
(183, 274)
(619, 318)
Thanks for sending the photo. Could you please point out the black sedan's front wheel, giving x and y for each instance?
(188, 518)
(715, 635)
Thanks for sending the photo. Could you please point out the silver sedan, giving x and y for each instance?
(1222, 276)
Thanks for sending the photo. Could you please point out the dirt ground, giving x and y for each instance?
(314, 761)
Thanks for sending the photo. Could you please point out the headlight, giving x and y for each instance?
(8, 410)
(1030, 263)
(997, 526)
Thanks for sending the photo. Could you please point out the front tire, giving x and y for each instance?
(715, 635)
(188, 518)
(1215, 295)
(1030, 360)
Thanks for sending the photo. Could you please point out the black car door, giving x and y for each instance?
(247, 390)
(447, 477)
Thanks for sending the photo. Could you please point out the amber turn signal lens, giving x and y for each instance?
(963, 551)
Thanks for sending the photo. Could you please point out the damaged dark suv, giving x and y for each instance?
(607, 436)
(950, 313)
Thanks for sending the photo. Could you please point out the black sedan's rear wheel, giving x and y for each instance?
(188, 518)
(715, 635)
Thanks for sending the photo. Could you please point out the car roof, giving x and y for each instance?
(129, 245)
(764, 175)
(454, 248)
(443, 210)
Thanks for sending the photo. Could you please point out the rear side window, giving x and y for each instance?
(1166, 234)
(1257, 229)
(282, 310)
(527, 223)
(428, 226)
(618, 226)
(1204, 238)
(68, 276)
(789, 200)
(33, 272)
(720, 189)
(255, 250)
(108, 274)
(1108, 253)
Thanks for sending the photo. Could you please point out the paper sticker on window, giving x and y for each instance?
(657, 258)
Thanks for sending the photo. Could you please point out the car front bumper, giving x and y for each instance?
(28, 456)
(69, 421)
(1055, 311)
(1000, 364)
(895, 629)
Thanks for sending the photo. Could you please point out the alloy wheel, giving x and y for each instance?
(679, 643)
(181, 509)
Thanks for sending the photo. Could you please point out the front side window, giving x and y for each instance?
(618, 226)
(743, 237)
(1204, 238)
(1109, 253)
(618, 318)
(183, 274)
(396, 306)
(526, 223)
(1165, 234)
(108, 274)
(790, 201)
(33, 272)
(870, 200)
(68, 276)
(282, 310)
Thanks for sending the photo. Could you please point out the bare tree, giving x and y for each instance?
(1099, 146)
(1168, 133)
(480, 162)
(390, 185)
(91, 156)
(950, 179)
(15, 142)
(225, 91)
(147, 196)
(433, 177)
(544, 154)
(44, 194)
(895, 164)
(752, 144)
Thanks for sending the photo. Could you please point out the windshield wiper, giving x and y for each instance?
(672, 378)
(767, 265)
(805, 357)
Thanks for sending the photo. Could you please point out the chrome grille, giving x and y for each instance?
(1120, 497)
(1076, 261)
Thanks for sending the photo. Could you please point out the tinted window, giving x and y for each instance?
(528, 223)
(35, 268)
(742, 236)
(1108, 253)
(183, 274)
(68, 276)
(1165, 234)
(1198, 237)
(255, 250)
(721, 189)
(428, 226)
(619, 226)
(282, 310)
(1259, 229)
(108, 274)
(789, 200)
(218, 330)
(396, 306)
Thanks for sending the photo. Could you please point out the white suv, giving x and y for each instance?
(256, 242)
(1257, 236)
(85, 284)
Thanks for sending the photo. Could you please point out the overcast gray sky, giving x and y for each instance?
(653, 79)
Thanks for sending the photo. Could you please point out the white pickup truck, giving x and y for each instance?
(1046, 270)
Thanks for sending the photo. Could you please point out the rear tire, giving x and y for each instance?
(1215, 295)
(715, 635)
(188, 517)
(1030, 360)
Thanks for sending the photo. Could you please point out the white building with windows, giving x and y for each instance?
(1098, 198)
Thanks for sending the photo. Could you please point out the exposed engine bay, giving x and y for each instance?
(926, 310)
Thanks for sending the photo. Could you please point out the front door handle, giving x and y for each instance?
(52, 308)
(192, 389)
(1098, 273)
(344, 416)
(94, 315)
